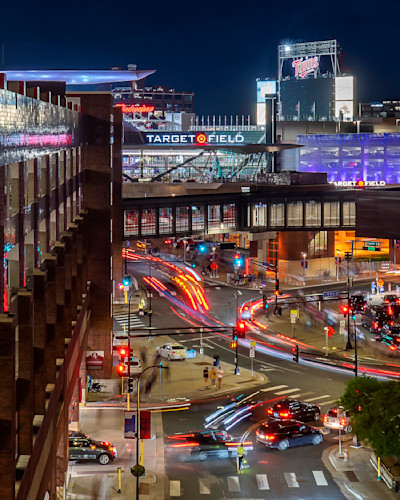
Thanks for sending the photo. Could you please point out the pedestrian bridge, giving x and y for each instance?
(170, 210)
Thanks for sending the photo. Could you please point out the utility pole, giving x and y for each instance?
(348, 256)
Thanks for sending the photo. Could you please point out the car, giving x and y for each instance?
(337, 418)
(375, 317)
(172, 351)
(199, 445)
(83, 448)
(392, 342)
(358, 302)
(238, 409)
(282, 434)
(291, 409)
(392, 330)
(391, 298)
(120, 339)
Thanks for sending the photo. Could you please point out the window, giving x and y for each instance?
(331, 213)
(197, 218)
(165, 220)
(214, 216)
(188, 98)
(295, 214)
(313, 213)
(259, 215)
(349, 213)
(277, 215)
(131, 222)
(229, 215)
(148, 221)
(182, 219)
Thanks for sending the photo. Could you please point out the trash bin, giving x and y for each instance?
(216, 360)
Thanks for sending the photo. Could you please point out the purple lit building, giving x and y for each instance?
(352, 157)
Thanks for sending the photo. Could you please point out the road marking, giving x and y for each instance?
(302, 394)
(291, 479)
(329, 402)
(317, 398)
(233, 483)
(267, 389)
(265, 369)
(320, 478)
(205, 488)
(217, 288)
(287, 391)
(174, 488)
(262, 481)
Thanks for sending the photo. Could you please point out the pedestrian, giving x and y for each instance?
(240, 453)
(205, 377)
(213, 376)
(220, 376)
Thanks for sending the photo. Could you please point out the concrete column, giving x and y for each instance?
(8, 406)
(30, 253)
(49, 265)
(59, 251)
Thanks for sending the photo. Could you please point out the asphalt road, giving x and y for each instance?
(294, 473)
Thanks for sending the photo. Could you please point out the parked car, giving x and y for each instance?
(392, 342)
(199, 445)
(337, 418)
(283, 434)
(172, 351)
(120, 339)
(83, 448)
(291, 409)
(392, 330)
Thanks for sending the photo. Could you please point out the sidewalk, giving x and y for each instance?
(357, 479)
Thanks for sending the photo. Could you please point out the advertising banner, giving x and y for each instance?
(94, 360)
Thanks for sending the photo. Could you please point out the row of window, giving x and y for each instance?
(299, 214)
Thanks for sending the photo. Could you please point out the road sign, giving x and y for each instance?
(214, 266)
(145, 424)
(372, 249)
(252, 353)
(130, 424)
(380, 282)
(327, 295)
(342, 326)
(372, 243)
(253, 344)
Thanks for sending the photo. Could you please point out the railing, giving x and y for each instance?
(388, 478)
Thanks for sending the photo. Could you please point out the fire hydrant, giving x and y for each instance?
(345, 455)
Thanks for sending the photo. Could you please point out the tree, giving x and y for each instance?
(375, 410)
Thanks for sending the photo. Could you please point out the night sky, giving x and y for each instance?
(215, 48)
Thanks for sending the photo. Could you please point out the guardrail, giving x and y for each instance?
(389, 479)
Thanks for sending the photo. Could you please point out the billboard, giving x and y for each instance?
(344, 98)
(307, 99)
(265, 88)
(176, 139)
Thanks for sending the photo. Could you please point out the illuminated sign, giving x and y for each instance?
(303, 67)
(356, 183)
(201, 138)
(22, 140)
(265, 88)
(133, 108)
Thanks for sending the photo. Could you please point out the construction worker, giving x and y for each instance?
(240, 453)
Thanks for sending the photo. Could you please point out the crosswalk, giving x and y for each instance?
(121, 322)
(296, 393)
(236, 484)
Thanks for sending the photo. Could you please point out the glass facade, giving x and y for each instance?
(351, 157)
(30, 128)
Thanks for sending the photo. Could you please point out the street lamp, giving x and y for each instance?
(304, 256)
(138, 421)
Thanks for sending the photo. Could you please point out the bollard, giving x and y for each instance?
(119, 479)
(345, 455)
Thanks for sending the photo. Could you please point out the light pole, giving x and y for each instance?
(348, 256)
(304, 256)
(138, 421)
(337, 265)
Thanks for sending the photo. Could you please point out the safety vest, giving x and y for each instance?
(240, 451)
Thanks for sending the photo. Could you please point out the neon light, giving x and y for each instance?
(302, 68)
(201, 138)
(135, 109)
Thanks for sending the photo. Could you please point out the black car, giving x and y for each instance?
(291, 409)
(358, 302)
(199, 445)
(392, 342)
(392, 330)
(375, 317)
(83, 448)
(283, 434)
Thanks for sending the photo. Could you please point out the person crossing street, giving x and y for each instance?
(240, 453)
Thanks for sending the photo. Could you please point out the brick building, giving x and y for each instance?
(60, 158)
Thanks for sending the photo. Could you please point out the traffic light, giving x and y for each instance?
(120, 369)
(295, 352)
(277, 292)
(234, 343)
(126, 281)
(130, 384)
(123, 353)
(265, 302)
(241, 329)
(238, 260)
(345, 310)
(353, 314)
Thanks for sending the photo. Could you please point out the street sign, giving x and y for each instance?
(372, 243)
(130, 424)
(342, 326)
(252, 353)
(327, 295)
(214, 266)
(372, 249)
(380, 282)
(293, 318)
(253, 344)
(145, 424)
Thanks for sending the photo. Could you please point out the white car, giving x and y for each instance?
(120, 339)
(136, 366)
(172, 351)
(337, 418)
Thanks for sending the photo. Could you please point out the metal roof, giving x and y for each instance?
(77, 76)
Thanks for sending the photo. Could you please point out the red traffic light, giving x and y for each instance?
(241, 325)
(120, 368)
(345, 310)
(123, 351)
